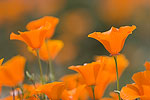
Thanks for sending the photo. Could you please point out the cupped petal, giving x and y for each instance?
(12, 72)
(34, 38)
(47, 21)
(88, 71)
(52, 90)
(113, 40)
(130, 92)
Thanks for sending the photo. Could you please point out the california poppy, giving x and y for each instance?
(49, 49)
(72, 81)
(12, 72)
(139, 89)
(74, 94)
(109, 64)
(88, 71)
(33, 38)
(113, 40)
(52, 90)
(44, 22)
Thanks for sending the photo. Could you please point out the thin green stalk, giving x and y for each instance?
(93, 92)
(40, 67)
(50, 67)
(52, 75)
(118, 88)
(13, 91)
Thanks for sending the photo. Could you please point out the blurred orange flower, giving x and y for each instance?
(139, 89)
(109, 64)
(52, 90)
(49, 49)
(74, 94)
(33, 38)
(12, 72)
(88, 71)
(113, 40)
(72, 81)
(46, 21)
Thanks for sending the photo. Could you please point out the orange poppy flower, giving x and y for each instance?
(113, 40)
(12, 72)
(140, 89)
(72, 81)
(33, 38)
(88, 71)
(52, 90)
(75, 94)
(110, 65)
(44, 22)
(49, 49)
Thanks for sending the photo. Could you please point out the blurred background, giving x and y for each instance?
(78, 18)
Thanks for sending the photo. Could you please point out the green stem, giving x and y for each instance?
(93, 92)
(40, 67)
(118, 88)
(13, 91)
(52, 75)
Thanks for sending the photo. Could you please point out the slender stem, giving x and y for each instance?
(50, 66)
(93, 92)
(52, 75)
(118, 88)
(40, 66)
(13, 91)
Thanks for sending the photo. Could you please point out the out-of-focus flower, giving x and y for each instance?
(114, 96)
(52, 90)
(110, 64)
(47, 21)
(119, 10)
(33, 38)
(100, 73)
(46, 7)
(49, 49)
(72, 81)
(75, 24)
(139, 89)
(11, 10)
(12, 72)
(74, 94)
(88, 71)
(113, 40)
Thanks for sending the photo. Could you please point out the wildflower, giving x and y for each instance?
(46, 21)
(88, 71)
(75, 94)
(72, 81)
(49, 49)
(52, 90)
(139, 89)
(113, 40)
(12, 72)
(33, 38)
(110, 64)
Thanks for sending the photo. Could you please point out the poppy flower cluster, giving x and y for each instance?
(89, 81)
